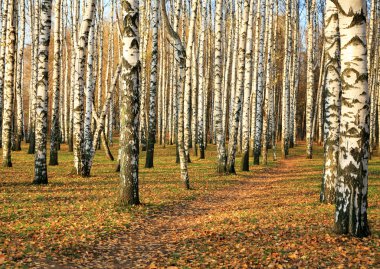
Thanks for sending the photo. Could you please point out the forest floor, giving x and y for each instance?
(269, 217)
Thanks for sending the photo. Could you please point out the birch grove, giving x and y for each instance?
(199, 82)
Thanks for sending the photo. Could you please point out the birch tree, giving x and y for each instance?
(352, 182)
(187, 89)
(260, 88)
(201, 80)
(332, 103)
(247, 90)
(153, 88)
(78, 109)
(9, 83)
(129, 143)
(180, 55)
(286, 83)
(3, 40)
(220, 139)
(310, 79)
(19, 78)
(55, 130)
(268, 84)
(40, 170)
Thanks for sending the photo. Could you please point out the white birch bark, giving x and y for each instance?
(55, 130)
(220, 139)
(40, 169)
(19, 78)
(3, 41)
(9, 83)
(310, 81)
(239, 90)
(247, 91)
(268, 84)
(352, 185)
(89, 94)
(153, 88)
(187, 89)
(180, 58)
(332, 103)
(260, 88)
(78, 109)
(201, 80)
(130, 107)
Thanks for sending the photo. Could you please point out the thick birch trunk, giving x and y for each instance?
(352, 185)
(130, 107)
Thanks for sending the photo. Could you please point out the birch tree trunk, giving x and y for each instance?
(3, 42)
(9, 84)
(332, 103)
(130, 107)
(194, 100)
(19, 78)
(254, 76)
(153, 88)
(310, 81)
(352, 183)
(144, 30)
(180, 58)
(268, 84)
(89, 93)
(239, 91)
(40, 169)
(286, 84)
(260, 89)
(201, 80)
(187, 90)
(35, 34)
(247, 90)
(296, 73)
(220, 140)
(78, 108)
(55, 132)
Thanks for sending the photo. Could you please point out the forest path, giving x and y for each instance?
(267, 218)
